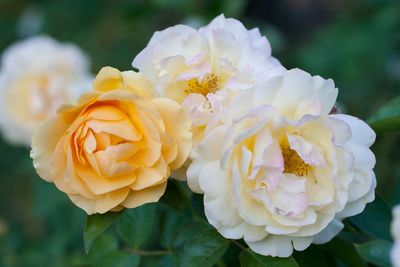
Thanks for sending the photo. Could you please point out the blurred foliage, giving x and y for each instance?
(356, 43)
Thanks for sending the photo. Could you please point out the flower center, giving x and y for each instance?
(209, 84)
(293, 163)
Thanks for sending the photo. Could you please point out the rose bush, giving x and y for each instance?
(116, 146)
(280, 171)
(204, 69)
(36, 76)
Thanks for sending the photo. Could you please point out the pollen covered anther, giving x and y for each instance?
(293, 163)
(209, 84)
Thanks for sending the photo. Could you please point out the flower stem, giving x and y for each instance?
(238, 244)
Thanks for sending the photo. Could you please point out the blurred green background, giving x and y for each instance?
(356, 43)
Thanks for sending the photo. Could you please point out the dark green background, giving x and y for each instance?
(356, 43)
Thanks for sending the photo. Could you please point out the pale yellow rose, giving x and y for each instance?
(116, 146)
(37, 75)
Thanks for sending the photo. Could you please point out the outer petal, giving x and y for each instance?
(148, 195)
(361, 133)
(279, 246)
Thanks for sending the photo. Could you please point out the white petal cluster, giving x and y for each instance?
(205, 68)
(279, 170)
(37, 75)
(395, 253)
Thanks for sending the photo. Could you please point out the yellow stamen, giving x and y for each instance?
(209, 84)
(292, 161)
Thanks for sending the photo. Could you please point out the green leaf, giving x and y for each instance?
(118, 259)
(344, 251)
(250, 259)
(375, 220)
(95, 225)
(203, 250)
(136, 225)
(188, 231)
(387, 118)
(170, 224)
(376, 252)
(102, 246)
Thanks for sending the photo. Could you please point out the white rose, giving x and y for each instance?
(36, 76)
(395, 253)
(205, 68)
(280, 171)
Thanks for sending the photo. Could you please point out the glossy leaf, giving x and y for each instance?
(375, 220)
(250, 259)
(136, 225)
(387, 118)
(376, 252)
(203, 250)
(95, 225)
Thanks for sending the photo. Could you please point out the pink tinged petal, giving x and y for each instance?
(363, 156)
(238, 231)
(288, 200)
(345, 162)
(360, 185)
(210, 147)
(245, 162)
(280, 246)
(148, 195)
(266, 151)
(356, 207)
(249, 208)
(273, 245)
(320, 187)
(307, 151)
(340, 129)
(219, 202)
(308, 107)
(361, 133)
(326, 235)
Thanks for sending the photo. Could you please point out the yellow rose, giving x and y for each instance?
(116, 146)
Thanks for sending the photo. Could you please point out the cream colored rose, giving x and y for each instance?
(395, 253)
(115, 147)
(36, 76)
(205, 68)
(279, 171)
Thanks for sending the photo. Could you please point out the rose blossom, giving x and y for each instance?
(280, 171)
(36, 76)
(116, 146)
(395, 253)
(204, 69)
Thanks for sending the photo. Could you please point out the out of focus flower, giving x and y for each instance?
(279, 170)
(36, 76)
(116, 146)
(205, 68)
(395, 253)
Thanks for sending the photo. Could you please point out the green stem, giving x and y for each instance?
(238, 244)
